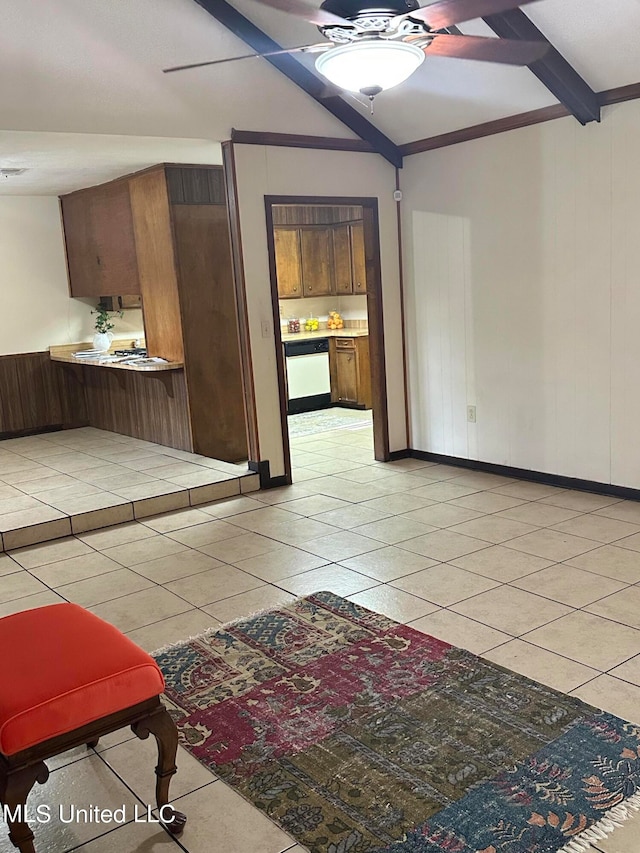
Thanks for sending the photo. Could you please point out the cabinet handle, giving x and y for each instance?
(98, 259)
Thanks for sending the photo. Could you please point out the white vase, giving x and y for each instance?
(102, 341)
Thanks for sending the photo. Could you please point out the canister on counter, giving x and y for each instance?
(293, 326)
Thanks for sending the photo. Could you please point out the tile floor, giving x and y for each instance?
(542, 580)
(76, 480)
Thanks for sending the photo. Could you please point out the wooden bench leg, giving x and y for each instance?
(162, 727)
(14, 790)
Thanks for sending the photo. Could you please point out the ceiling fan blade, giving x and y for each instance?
(307, 48)
(309, 12)
(508, 51)
(445, 13)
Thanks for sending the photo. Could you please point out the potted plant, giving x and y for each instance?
(103, 325)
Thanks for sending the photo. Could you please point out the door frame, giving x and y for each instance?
(369, 207)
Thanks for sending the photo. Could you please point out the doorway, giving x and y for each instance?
(324, 260)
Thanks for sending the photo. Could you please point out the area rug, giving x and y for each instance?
(327, 420)
(360, 735)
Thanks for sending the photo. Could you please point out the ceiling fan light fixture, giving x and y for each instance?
(370, 65)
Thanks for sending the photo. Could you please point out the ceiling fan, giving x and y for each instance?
(376, 44)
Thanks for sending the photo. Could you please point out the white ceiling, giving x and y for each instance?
(74, 67)
(58, 163)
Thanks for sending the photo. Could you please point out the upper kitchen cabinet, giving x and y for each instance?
(319, 260)
(288, 262)
(317, 267)
(100, 242)
(349, 264)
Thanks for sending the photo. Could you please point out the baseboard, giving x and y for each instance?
(266, 480)
(526, 474)
(22, 433)
(400, 454)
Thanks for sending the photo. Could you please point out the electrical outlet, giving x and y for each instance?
(471, 414)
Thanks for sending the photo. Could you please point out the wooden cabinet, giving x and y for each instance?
(288, 262)
(342, 270)
(166, 230)
(358, 259)
(317, 272)
(100, 242)
(350, 370)
(319, 260)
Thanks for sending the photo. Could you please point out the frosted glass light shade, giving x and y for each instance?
(370, 65)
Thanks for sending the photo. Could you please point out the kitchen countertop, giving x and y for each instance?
(65, 354)
(324, 333)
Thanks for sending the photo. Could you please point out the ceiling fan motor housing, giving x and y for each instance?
(359, 8)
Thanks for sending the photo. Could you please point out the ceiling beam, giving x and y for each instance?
(303, 78)
(560, 78)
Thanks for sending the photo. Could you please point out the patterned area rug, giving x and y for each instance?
(360, 735)
(326, 420)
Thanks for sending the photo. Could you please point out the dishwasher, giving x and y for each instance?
(308, 379)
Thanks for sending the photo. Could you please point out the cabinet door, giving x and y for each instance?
(347, 376)
(358, 260)
(84, 277)
(342, 259)
(113, 239)
(315, 244)
(101, 248)
(288, 262)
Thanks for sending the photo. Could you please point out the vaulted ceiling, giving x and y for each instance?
(90, 66)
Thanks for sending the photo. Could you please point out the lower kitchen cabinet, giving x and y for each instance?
(350, 370)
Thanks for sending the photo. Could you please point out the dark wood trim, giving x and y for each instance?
(619, 94)
(553, 70)
(277, 340)
(231, 189)
(477, 131)
(376, 330)
(405, 368)
(557, 480)
(302, 77)
(295, 140)
(487, 128)
(374, 309)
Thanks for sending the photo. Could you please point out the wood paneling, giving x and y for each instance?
(36, 395)
(150, 406)
(156, 264)
(195, 185)
(301, 214)
(212, 352)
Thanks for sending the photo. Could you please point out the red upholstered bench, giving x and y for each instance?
(68, 678)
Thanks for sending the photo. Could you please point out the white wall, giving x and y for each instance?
(36, 311)
(282, 171)
(522, 260)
